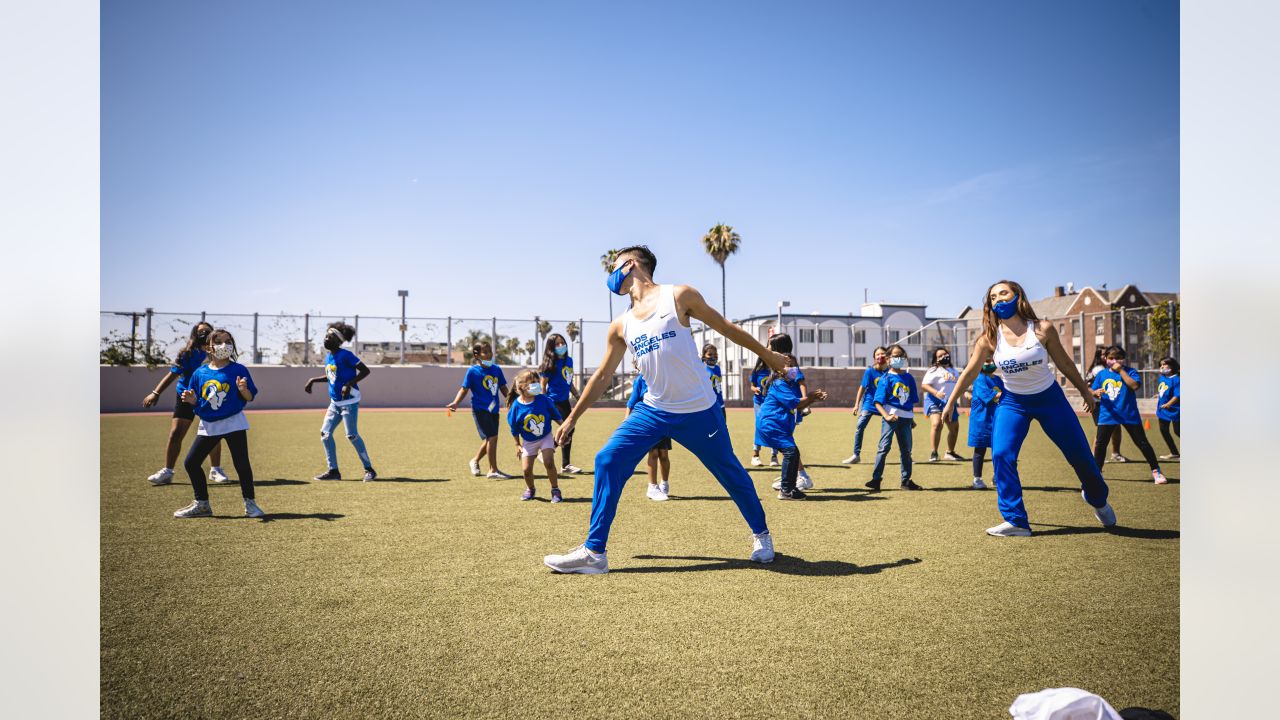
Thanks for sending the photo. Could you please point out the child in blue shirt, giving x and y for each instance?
(759, 374)
(864, 405)
(192, 356)
(219, 391)
(895, 400)
(343, 372)
(660, 454)
(776, 422)
(1169, 404)
(1116, 388)
(711, 356)
(529, 414)
(486, 383)
(985, 395)
(557, 377)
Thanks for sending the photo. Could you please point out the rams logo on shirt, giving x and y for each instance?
(491, 384)
(535, 424)
(715, 383)
(901, 392)
(1112, 388)
(1163, 388)
(566, 372)
(331, 372)
(214, 393)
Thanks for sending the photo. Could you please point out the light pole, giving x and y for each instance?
(781, 304)
(404, 326)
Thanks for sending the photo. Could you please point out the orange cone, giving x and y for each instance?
(1146, 424)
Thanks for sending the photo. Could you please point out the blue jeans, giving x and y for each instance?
(901, 428)
(703, 433)
(1013, 419)
(350, 416)
(790, 467)
(864, 417)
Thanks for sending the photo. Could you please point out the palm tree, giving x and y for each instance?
(720, 242)
(530, 347)
(544, 329)
(606, 261)
(512, 347)
(572, 330)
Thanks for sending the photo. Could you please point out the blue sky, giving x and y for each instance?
(288, 156)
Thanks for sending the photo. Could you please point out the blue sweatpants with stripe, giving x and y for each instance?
(703, 433)
(1013, 419)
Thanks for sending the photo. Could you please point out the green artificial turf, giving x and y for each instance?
(424, 594)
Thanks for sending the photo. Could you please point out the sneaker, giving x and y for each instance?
(370, 475)
(773, 461)
(163, 477)
(933, 457)
(527, 494)
(655, 493)
(330, 474)
(571, 470)
(762, 547)
(1118, 458)
(218, 477)
(579, 560)
(777, 484)
(474, 466)
(952, 456)
(1158, 477)
(873, 484)
(1005, 529)
(804, 482)
(555, 495)
(755, 461)
(665, 487)
(1174, 456)
(198, 508)
(499, 475)
(796, 494)
(251, 509)
(851, 460)
(978, 484)
(908, 485)
(1105, 514)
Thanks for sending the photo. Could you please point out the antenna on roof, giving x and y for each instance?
(864, 296)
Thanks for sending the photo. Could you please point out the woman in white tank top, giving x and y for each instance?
(1023, 347)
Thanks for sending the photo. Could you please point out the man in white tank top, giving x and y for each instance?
(680, 403)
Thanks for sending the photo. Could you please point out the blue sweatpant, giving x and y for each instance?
(1013, 419)
(703, 433)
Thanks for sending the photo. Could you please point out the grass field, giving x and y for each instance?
(424, 594)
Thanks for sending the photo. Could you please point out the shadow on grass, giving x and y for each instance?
(271, 517)
(1144, 481)
(564, 499)
(1128, 532)
(785, 564)
(990, 489)
(410, 480)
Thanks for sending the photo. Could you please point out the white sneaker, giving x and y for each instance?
(474, 466)
(851, 460)
(762, 547)
(251, 509)
(1005, 529)
(570, 470)
(755, 461)
(217, 477)
(499, 475)
(655, 493)
(773, 462)
(1158, 477)
(164, 477)
(978, 484)
(197, 508)
(665, 487)
(578, 560)
(804, 482)
(777, 485)
(1105, 514)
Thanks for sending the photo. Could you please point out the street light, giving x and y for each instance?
(781, 304)
(404, 326)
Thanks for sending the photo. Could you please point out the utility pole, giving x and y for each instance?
(404, 324)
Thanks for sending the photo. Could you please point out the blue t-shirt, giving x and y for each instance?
(339, 369)
(559, 380)
(184, 366)
(1117, 405)
(717, 381)
(897, 391)
(1168, 387)
(638, 389)
(776, 418)
(217, 396)
(484, 382)
(532, 421)
(870, 379)
(982, 412)
(757, 377)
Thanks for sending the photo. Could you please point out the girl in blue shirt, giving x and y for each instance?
(189, 358)
(660, 454)
(895, 400)
(529, 414)
(985, 394)
(1169, 404)
(864, 406)
(711, 357)
(487, 385)
(1116, 389)
(557, 377)
(219, 391)
(759, 374)
(343, 372)
(776, 422)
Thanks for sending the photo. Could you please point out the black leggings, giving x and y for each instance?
(563, 408)
(237, 443)
(1136, 434)
(979, 455)
(1168, 439)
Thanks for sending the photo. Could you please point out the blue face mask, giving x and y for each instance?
(486, 363)
(535, 388)
(617, 277)
(1006, 309)
(897, 363)
(791, 373)
(562, 350)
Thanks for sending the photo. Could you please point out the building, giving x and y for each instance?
(417, 353)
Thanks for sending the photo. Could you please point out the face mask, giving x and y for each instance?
(882, 360)
(486, 363)
(944, 360)
(711, 360)
(1166, 371)
(617, 277)
(222, 352)
(535, 388)
(562, 350)
(1007, 309)
(791, 373)
(989, 368)
(202, 338)
(897, 363)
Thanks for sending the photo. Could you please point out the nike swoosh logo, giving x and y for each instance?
(713, 434)
(660, 317)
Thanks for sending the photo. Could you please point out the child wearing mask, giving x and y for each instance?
(864, 406)
(1116, 389)
(896, 397)
(985, 394)
(343, 371)
(711, 356)
(939, 382)
(557, 377)
(530, 413)
(776, 423)
(486, 383)
(192, 356)
(1169, 404)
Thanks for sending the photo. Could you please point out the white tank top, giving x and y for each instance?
(668, 358)
(1025, 368)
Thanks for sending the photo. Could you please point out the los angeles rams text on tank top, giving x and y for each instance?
(1026, 367)
(668, 358)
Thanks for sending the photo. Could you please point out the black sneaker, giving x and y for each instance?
(933, 457)
(330, 474)
(791, 495)
(908, 485)
(873, 484)
(370, 475)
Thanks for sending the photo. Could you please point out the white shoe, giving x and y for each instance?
(851, 460)
(755, 461)
(1005, 529)
(978, 484)
(474, 466)
(198, 508)
(578, 560)
(1158, 477)
(164, 477)
(655, 493)
(499, 475)
(773, 462)
(665, 487)
(217, 477)
(570, 470)
(762, 547)
(1105, 514)
(251, 509)
(804, 482)
(777, 485)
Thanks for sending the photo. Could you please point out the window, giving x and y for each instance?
(860, 336)
(826, 336)
(826, 361)
(806, 361)
(1062, 328)
(893, 336)
(806, 335)
(915, 362)
(1099, 325)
